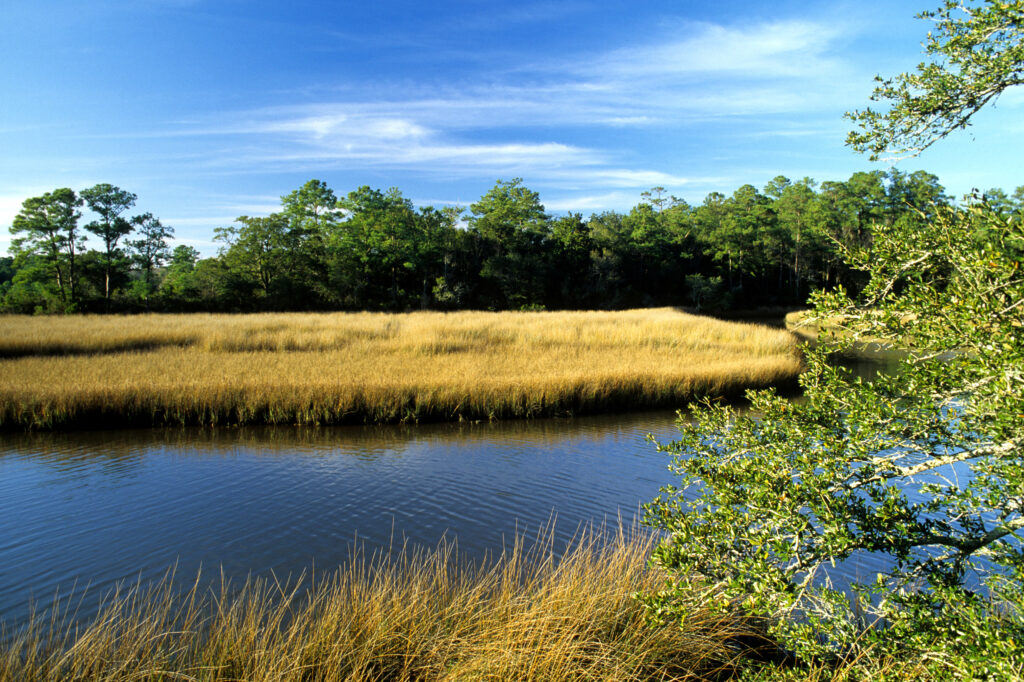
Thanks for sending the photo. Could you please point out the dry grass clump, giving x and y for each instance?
(526, 616)
(367, 367)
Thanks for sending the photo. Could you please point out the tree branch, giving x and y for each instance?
(995, 450)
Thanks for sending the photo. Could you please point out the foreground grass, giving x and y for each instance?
(415, 616)
(365, 367)
(403, 615)
(526, 616)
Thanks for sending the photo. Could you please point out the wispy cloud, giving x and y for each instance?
(523, 123)
(204, 221)
(9, 207)
(580, 203)
(436, 157)
(711, 72)
(782, 49)
(615, 177)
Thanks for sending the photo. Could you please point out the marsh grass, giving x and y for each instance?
(365, 367)
(532, 613)
(526, 615)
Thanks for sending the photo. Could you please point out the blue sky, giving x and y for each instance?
(210, 109)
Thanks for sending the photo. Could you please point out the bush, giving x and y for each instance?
(922, 466)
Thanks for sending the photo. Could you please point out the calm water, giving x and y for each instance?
(97, 508)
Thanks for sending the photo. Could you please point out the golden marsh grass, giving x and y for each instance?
(373, 367)
(424, 616)
(525, 616)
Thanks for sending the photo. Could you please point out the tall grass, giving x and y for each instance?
(413, 616)
(364, 367)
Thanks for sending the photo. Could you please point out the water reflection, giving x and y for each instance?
(96, 508)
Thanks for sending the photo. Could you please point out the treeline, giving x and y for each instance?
(373, 250)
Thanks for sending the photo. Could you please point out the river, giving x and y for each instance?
(95, 508)
(92, 509)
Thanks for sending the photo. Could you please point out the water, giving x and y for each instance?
(93, 509)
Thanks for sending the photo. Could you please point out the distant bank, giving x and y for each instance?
(332, 368)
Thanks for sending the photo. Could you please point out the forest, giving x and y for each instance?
(373, 250)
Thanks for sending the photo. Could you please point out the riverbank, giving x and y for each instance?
(523, 616)
(90, 371)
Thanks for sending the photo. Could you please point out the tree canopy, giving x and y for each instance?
(911, 482)
(922, 466)
(372, 249)
(975, 52)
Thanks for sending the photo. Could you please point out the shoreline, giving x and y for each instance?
(332, 369)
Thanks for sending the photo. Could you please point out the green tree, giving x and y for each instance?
(513, 226)
(312, 209)
(609, 260)
(998, 201)
(744, 235)
(109, 203)
(314, 216)
(150, 251)
(848, 209)
(655, 196)
(47, 237)
(799, 217)
(176, 285)
(212, 286)
(569, 261)
(657, 248)
(257, 256)
(921, 466)
(31, 289)
(375, 256)
(6, 271)
(439, 254)
(975, 52)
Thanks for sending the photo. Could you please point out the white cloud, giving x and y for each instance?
(619, 200)
(710, 71)
(437, 203)
(437, 155)
(775, 49)
(519, 123)
(498, 156)
(204, 221)
(339, 125)
(633, 180)
(10, 205)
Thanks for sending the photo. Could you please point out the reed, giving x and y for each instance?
(403, 616)
(532, 613)
(367, 367)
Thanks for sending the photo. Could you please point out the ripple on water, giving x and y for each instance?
(102, 507)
